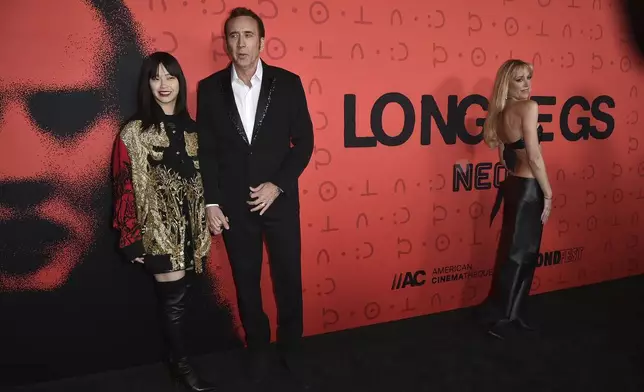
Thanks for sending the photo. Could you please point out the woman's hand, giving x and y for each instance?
(547, 207)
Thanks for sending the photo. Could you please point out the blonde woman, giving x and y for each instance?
(511, 126)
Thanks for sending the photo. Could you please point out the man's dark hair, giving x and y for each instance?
(241, 11)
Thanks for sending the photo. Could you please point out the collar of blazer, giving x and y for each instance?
(266, 91)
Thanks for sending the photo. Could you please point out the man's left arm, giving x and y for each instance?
(301, 132)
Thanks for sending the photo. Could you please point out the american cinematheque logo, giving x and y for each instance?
(457, 272)
(445, 274)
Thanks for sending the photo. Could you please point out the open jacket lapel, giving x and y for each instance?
(231, 106)
(265, 94)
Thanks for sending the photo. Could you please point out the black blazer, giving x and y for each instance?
(282, 138)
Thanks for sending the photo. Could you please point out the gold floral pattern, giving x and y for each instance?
(160, 194)
(191, 143)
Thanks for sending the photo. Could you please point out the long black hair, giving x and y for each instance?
(149, 111)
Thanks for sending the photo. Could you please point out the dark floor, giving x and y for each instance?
(590, 339)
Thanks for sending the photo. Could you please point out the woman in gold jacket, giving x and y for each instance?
(158, 196)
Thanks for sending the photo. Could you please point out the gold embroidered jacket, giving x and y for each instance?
(159, 203)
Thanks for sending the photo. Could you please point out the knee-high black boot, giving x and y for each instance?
(172, 296)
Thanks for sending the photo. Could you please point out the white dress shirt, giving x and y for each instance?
(246, 99)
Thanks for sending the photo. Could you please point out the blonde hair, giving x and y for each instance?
(499, 96)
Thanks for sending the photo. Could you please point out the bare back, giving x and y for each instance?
(518, 131)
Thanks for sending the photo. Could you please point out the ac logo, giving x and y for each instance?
(405, 279)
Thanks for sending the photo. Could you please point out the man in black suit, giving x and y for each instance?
(255, 140)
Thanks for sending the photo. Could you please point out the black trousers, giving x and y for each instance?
(518, 249)
(280, 228)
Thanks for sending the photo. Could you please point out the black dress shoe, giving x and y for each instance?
(296, 370)
(258, 365)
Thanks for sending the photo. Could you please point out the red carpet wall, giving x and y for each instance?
(396, 199)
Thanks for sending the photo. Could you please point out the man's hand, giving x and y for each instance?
(217, 221)
(264, 195)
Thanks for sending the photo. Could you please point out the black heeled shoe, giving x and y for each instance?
(183, 374)
(497, 328)
(523, 325)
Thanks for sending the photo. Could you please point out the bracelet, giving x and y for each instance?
(548, 198)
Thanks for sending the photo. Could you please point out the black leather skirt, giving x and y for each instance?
(518, 248)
